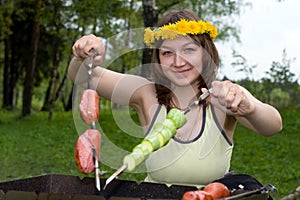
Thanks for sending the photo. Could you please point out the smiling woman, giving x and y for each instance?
(181, 61)
(184, 64)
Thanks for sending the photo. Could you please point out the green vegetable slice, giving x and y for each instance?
(161, 133)
(148, 145)
(166, 134)
(134, 159)
(177, 116)
(155, 140)
(143, 149)
(170, 124)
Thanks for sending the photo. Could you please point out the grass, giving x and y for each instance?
(34, 146)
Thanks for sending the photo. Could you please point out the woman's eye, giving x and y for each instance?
(187, 50)
(166, 53)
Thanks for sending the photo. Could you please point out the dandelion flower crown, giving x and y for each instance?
(181, 27)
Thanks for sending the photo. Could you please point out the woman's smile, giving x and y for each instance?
(181, 60)
(182, 72)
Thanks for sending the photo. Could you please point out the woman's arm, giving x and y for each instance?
(120, 88)
(239, 103)
(264, 119)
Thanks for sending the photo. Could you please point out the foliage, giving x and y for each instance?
(271, 160)
(279, 87)
(280, 73)
(222, 13)
(241, 63)
(62, 22)
(6, 9)
(279, 98)
(30, 149)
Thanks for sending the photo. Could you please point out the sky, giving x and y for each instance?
(266, 29)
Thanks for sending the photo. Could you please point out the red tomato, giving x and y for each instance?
(197, 195)
(190, 195)
(217, 190)
(203, 195)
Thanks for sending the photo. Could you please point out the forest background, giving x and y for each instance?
(35, 48)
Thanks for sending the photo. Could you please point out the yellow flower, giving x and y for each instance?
(193, 27)
(157, 34)
(213, 33)
(148, 36)
(181, 27)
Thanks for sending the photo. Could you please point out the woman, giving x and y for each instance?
(185, 62)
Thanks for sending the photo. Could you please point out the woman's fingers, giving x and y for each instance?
(229, 97)
(83, 46)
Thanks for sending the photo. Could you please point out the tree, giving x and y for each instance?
(280, 77)
(56, 24)
(28, 83)
(16, 50)
(6, 10)
(222, 13)
(280, 73)
(241, 63)
(150, 17)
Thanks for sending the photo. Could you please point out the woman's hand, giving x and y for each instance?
(236, 101)
(83, 46)
(231, 98)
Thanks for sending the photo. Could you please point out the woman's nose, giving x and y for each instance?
(179, 61)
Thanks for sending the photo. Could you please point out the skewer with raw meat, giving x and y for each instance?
(84, 155)
(87, 148)
(90, 140)
(89, 107)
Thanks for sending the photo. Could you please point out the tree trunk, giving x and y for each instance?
(69, 104)
(150, 16)
(51, 90)
(5, 40)
(10, 74)
(7, 89)
(55, 80)
(29, 77)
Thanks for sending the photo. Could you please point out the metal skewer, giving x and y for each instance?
(114, 175)
(97, 172)
(90, 65)
(268, 188)
(124, 166)
(93, 124)
(196, 102)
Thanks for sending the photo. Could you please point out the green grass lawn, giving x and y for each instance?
(35, 146)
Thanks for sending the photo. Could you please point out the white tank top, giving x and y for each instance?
(195, 163)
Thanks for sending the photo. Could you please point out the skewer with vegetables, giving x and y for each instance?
(161, 133)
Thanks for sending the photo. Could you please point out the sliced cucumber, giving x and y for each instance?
(177, 116)
(158, 137)
(170, 124)
(134, 159)
(155, 140)
(166, 134)
(143, 149)
(148, 145)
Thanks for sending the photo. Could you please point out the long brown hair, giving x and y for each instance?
(210, 59)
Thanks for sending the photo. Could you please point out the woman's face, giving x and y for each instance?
(181, 60)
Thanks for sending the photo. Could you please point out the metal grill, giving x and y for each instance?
(63, 187)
